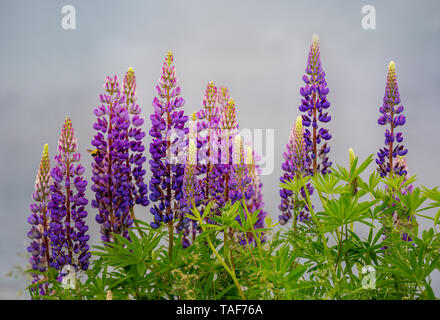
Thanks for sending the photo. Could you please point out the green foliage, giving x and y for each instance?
(320, 258)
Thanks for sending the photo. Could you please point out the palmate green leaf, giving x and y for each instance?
(354, 171)
(397, 182)
(373, 181)
(434, 195)
(328, 184)
(294, 185)
(412, 200)
(345, 210)
(341, 173)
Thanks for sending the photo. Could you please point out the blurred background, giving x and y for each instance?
(258, 49)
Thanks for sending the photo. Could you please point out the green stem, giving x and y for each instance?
(257, 239)
(171, 238)
(316, 221)
(231, 272)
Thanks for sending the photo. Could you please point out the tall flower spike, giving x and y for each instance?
(240, 182)
(314, 104)
(209, 146)
(110, 168)
(67, 228)
(391, 114)
(223, 97)
(39, 219)
(256, 200)
(169, 133)
(228, 118)
(296, 162)
(228, 131)
(135, 134)
(191, 192)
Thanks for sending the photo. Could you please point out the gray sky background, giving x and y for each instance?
(258, 49)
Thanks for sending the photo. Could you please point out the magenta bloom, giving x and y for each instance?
(112, 182)
(296, 162)
(169, 138)
(240, 186)
(255, 202)
(209, 147)
(67, 228)
(136, 157)
(192, 193)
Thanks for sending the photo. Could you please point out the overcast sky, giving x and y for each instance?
(258, 49)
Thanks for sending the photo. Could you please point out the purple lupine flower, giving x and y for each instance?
(296, 162)
(256, 200)
(67, 228)
(110, 168)
(314, 104)
(191, 192)
(223, 97)
(167, 176)
(39, 220)
(209, 146)
(135, 133)
(240, 186)
(391, 114)
(228, 131)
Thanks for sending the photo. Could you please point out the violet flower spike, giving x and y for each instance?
(255, 202)
(391, 114)
(240, 182)
(169, 136)
(296, 163)
(209, 146)
(135, 134)
(314, 104)
(191, 193)
(39, 220)
(228, 131)
(111, 170)
(67, 228)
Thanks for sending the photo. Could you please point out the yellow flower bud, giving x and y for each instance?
(351, 156)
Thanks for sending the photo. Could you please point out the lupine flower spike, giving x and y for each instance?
(135, 134)
(229, 129)
(240, 182)
(315, 104)
(169, 137)
(209, 146)
(391, 115)
(296, 163)
(191, 191)
(67, 228)
(111, 172)
(256, 200)
(39, 220)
